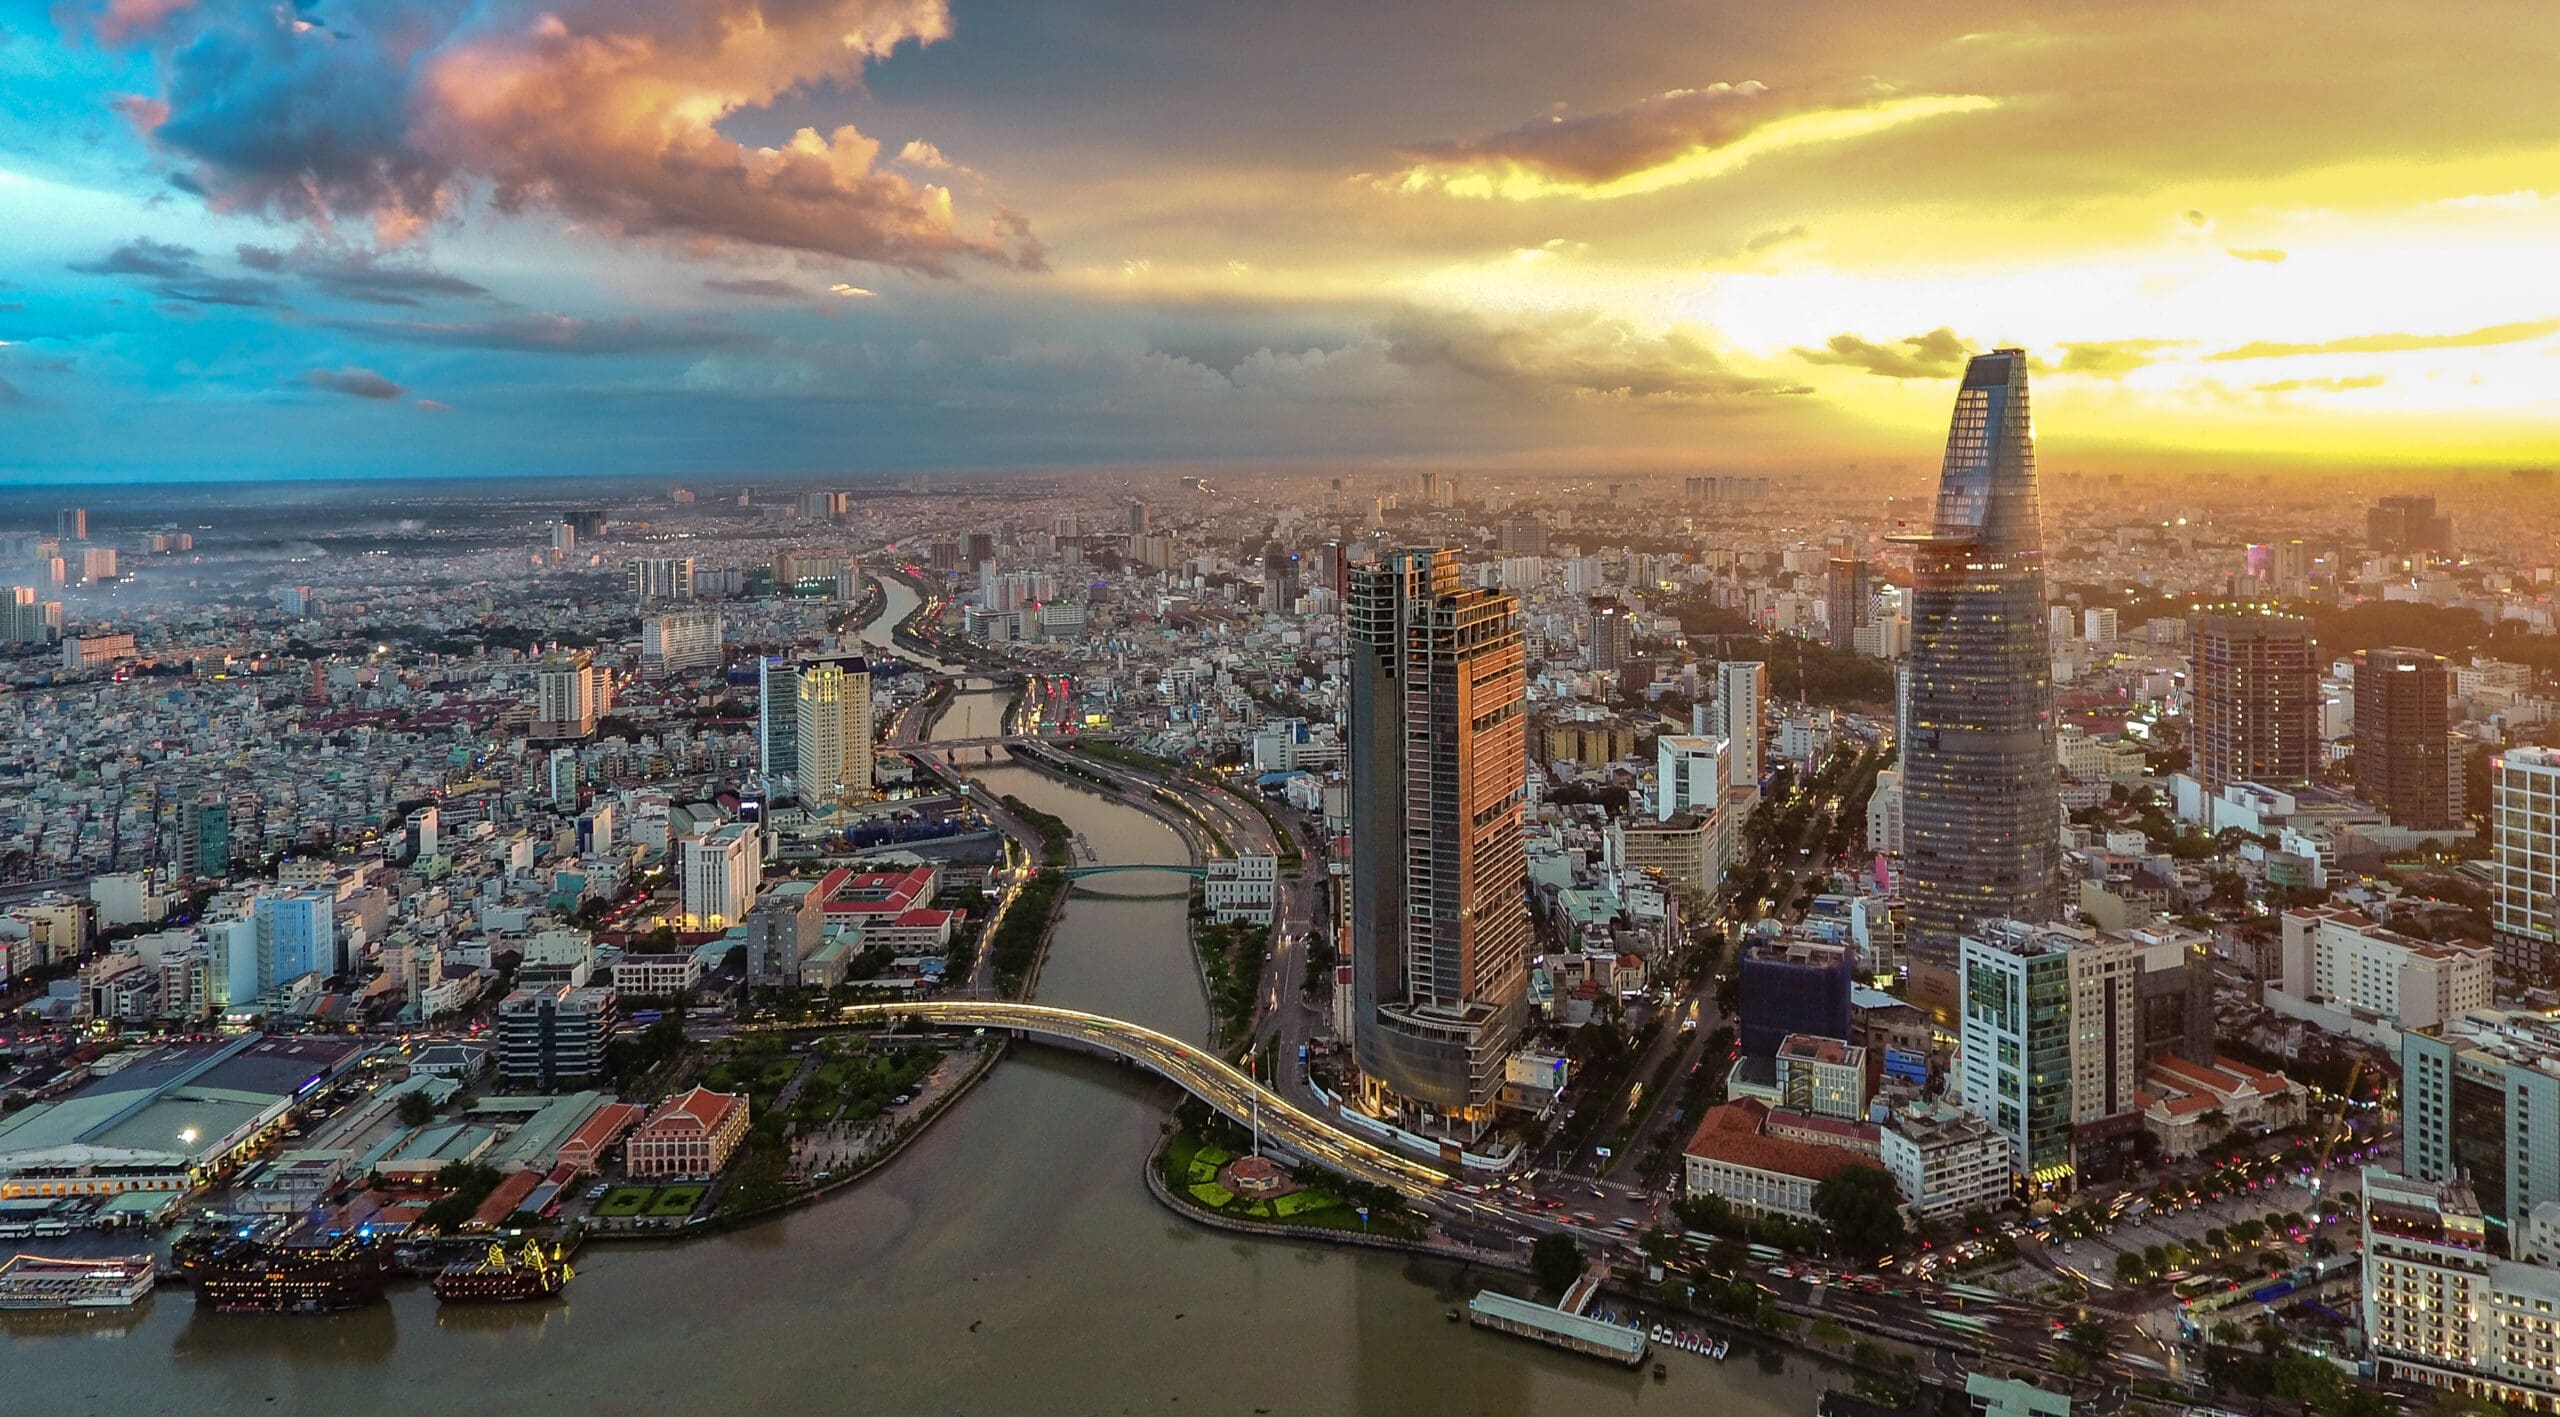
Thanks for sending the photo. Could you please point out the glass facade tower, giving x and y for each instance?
(1439, 926)
(1981, 811)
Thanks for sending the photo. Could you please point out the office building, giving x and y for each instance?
(656, 578)
(2441, 1309)
(1822, 1077)
(1690, 851)
(1846, 599)
(1884, 813)
(1742, 717)
(1981, 812)
(569, 700)
(2257, 700)
(1439, 925)
(1790, 987)
(777, 719)
(554, 1035)
(1609, 627)
(2049, 1042)
(832, 763)
(722, 869)
(2481, 1101)
(25, 620)
(71, 524)
(204, 837)
(295, 933)
(2524, 832)
(784, 928)
(1279, 578)
(2407, 524)
(2404, 755)
(1944, 1160)
(1523, 536)
(1690, 774)
(682, 640)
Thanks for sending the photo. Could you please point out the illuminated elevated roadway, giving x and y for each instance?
(1196, 1070)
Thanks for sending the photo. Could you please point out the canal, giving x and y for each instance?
(1011, 1261)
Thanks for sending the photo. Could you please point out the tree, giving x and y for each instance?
(416, 1109)
(1863, 1208)
(2130, 1267)
(1556, 1262)
(2088, 1340)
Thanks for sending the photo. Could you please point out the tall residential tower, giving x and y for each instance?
(1439, 878)
(1981, 818)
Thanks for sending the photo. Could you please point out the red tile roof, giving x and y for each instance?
(700, 1110)
(1731, 1133)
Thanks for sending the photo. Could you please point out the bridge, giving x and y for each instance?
(1078, 873)
(1196, 1070)
(1009, 740)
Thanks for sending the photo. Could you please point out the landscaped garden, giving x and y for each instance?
(675, 1200)
(623, 1202)
(1325, 1201)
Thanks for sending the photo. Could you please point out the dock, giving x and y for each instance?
(1574, 1333)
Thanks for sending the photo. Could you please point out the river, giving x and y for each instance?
(1011, 1261)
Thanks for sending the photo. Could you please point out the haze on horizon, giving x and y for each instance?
(422, 237)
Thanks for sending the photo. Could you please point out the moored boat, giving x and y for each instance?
(43, 1282)
(499, 1277)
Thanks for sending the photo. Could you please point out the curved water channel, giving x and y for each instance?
(1011, 1261)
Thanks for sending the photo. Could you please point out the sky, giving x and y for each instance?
(313, 238)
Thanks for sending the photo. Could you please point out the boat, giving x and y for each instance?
(1723, 1347)
(502, 1278)
(42, 1282)
(249, 1276)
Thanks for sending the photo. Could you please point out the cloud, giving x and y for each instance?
(143, 256)
(1935, 355)
(359, 274)
(11, 394)
(1567, 354)
(1668, 140)
(842, 291)
(2331, 385)
(353, 382)
(221, 290)
(435, 406)
(554, 334)
(758, 288)
(1778, 237)
(2523, 199)
(2266, 254)
(606, 112)
(2111, 359)
(2515, 333)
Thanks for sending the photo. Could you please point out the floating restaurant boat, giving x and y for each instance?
(42, 1282)
(251, 1277)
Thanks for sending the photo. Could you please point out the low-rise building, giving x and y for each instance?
(657, 976)
(1822, 1077)
(694, 1134)
(1243, 888)
(1732, 1156)
(1944, 1160)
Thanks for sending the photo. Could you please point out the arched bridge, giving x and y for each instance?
(1196, 1070)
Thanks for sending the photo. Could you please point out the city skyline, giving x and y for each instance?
(421, 240)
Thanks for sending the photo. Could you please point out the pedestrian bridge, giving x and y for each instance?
(1196, 1070)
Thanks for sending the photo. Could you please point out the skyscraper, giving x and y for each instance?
(1439, 883)
(1279, 577)
(1610, 634)
(833, 758)
(777, 718)
(2404, 759)
(1742, 717)
(2524, 818)
(1981, 813)
(2257, 699)
(1847, 599)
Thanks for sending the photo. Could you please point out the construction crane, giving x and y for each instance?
(2337, 1129)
